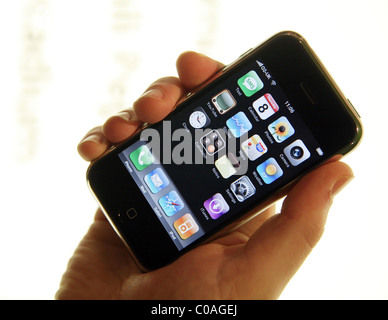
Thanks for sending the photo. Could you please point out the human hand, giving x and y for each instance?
(255, 261)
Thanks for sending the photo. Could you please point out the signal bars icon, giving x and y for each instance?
(264, 69)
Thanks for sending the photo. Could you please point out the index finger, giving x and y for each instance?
(163, 95)
(195, 68)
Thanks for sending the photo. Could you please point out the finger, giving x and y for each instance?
(281, 245)
(159, 99)
(121, 126)
(162, 96)
(93, 145)
(194, 68)
(311, 214)
(249, 228)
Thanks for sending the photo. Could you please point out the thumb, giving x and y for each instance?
(282, 244)
(308, 203)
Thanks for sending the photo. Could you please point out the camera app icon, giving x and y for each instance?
(297, 152)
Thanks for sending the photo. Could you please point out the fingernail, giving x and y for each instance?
(154, 93)
(127, 115)
(96, 138)
(341, 184)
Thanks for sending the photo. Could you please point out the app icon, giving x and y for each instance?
(216, 206)
(171, 203)
(250, 83)
(141, 158)
(265, 106)
(156, 180)
(199, 119)
(269, 170)
(239, 124)
(243, 188)
(186, 226)
(254, 147)
(297, 152)
(212, 142)
(227, 165)
(224, 101)
(281, 129)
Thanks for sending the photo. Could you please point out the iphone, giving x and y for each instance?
(226, 152)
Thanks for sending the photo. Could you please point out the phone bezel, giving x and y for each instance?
(292, 62)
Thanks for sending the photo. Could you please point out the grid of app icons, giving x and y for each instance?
(257, 143)
(253, 146)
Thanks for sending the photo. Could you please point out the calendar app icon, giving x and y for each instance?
(265, 106)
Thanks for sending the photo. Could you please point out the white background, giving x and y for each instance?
(65, 66)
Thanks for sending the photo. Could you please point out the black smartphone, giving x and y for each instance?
(226, 152)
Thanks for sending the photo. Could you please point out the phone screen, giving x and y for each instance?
(234, 145)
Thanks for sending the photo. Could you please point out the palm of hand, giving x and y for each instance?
(101, 268)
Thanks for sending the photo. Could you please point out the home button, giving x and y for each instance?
(131, 213)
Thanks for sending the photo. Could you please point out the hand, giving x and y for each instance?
(254, 262)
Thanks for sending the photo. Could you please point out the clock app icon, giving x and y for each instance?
(199, 119)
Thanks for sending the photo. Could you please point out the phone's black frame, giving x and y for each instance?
(329, 115)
